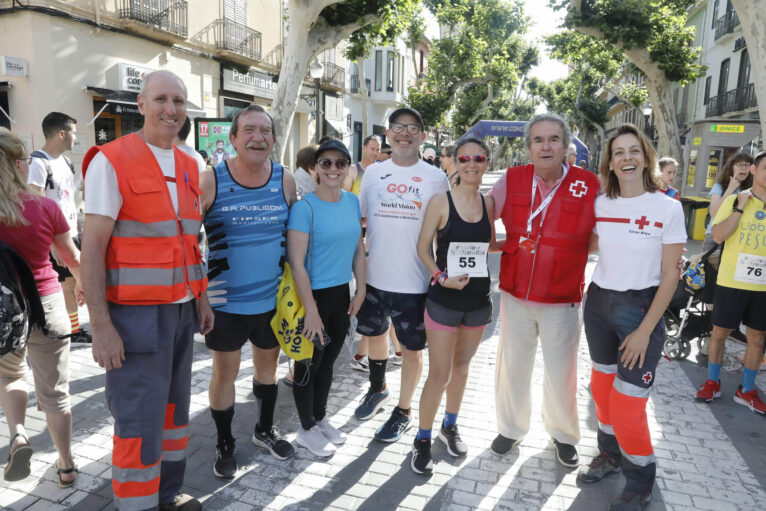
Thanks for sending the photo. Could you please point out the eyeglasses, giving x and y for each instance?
(412, 129)
(478, 158)
(386, 152)
(27, 160)
(326, 164)
(742, 165)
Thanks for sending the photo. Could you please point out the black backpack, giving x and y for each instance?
(20, 305)
(48, 170)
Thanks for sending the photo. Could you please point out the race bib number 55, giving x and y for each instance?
(467, 259)
(751, 269)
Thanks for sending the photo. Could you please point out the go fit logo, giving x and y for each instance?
(395, 188)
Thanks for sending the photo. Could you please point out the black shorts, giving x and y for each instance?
(734, 306)
(63, 271)
(406, 310)
(232, 330)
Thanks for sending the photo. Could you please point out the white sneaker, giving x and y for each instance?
(360, 365)
(335, 436)
(396, 359)
(315, 441)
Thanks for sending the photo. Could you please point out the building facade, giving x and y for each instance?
(88, 59)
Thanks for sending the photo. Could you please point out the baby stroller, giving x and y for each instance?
(686, 318)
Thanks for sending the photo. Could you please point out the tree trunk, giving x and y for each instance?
(664, 110)
(363, 91)
(753, 18)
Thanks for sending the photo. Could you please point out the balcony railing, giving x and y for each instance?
(167, 15)
(334, 76)
(725, 24)
(237, 38)
(274, 57)
(734, 100)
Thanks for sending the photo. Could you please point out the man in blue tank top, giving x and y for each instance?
(245, 201)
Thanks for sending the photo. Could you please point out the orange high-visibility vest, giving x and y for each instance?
(153, 254)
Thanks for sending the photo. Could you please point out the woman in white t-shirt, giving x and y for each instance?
(641, 236)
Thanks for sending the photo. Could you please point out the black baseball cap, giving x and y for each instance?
(411, 111)
(334, 144)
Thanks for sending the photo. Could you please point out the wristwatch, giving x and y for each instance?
(737, 210)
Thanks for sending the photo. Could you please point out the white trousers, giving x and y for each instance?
(559, 331)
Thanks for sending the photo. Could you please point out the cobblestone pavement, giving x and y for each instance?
(700, 464)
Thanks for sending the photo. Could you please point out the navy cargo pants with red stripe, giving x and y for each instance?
(149, 400)
(621, 394)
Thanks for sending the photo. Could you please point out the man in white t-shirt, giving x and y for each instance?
(52, 174)
(393, 199)
(146, 288)
(180, 142)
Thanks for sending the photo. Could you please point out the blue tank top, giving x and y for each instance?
(246, 229)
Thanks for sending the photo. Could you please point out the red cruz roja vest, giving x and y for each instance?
(153, 254)
(554, 272)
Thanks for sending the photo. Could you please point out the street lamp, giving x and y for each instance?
(316, 70)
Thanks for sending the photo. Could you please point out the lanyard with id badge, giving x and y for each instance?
(526, 242)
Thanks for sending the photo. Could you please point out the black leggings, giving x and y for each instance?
(311, 398)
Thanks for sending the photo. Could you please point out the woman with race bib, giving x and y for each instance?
(458, 306)
(640, 234)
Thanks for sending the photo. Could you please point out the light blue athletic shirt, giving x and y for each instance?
(246, 229)
(335, 236)
(717, 188)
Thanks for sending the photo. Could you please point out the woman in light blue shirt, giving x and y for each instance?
(324, 245)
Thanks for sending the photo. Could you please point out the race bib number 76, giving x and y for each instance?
(751, 269)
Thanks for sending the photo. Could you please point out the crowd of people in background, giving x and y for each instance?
(392, 244)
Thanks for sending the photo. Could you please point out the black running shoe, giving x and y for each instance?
(451, 438)
(566, 454)
(502, 445)
(81, 337)
(599, 467)
(271, 440)
(630, 501)
(421, 461)
(225, 465)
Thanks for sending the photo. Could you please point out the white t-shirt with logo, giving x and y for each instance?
(394, 201)
(631, 233)
(64, 186)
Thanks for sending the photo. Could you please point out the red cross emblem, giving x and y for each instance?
(647, 377)
(642, 222)
(578, 188)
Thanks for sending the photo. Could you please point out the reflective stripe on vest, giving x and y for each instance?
(163, 229)
(152, 276)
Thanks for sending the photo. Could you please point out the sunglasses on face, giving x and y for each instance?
(386, 152)
(326, 164)
(412, 129)
(478, 158)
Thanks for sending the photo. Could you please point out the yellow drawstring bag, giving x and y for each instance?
(287, 322)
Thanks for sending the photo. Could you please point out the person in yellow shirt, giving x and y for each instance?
(740, 293)
(370, 152)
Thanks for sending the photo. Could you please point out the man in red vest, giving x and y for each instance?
(547, 210)
(145, 281)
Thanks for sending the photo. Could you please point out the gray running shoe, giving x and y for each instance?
(600, 467)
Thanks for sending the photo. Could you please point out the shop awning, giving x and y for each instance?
(120, 97)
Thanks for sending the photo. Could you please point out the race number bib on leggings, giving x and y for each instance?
(751, 269)
(467, 259)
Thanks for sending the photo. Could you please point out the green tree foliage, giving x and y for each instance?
(477, 64)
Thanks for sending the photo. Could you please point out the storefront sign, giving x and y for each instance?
(727, 128)
(254, 82)
(697, 141)
(14, 66)
(130, 77)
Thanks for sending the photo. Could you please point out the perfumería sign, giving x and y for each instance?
(130, 77)
(727, 128)
(253, 82)
(14, 66)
